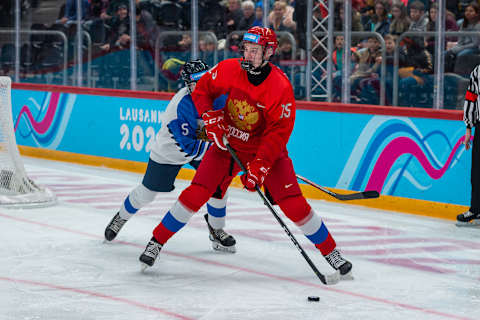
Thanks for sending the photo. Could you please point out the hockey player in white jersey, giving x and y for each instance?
(177, 143)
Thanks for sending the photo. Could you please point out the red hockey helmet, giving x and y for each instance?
(265, 37)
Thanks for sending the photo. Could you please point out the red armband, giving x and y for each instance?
(470, 96)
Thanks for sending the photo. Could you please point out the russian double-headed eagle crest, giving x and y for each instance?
(244, 115)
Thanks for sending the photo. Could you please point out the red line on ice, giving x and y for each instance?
(97, 295)
(252, 271)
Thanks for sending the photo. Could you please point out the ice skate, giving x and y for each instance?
(337, 262)
(221, 240)
(150, 254)
(468, 219)
(113, 228)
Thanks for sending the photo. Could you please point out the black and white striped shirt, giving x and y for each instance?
(470, 108)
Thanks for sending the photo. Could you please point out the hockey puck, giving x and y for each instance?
(314, 298)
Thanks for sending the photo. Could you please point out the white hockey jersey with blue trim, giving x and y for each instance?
(176, 142)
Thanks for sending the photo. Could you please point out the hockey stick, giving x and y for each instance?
(329, 279)
(370, 194)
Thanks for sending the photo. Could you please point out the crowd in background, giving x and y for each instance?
(108, 23)
(416, 53)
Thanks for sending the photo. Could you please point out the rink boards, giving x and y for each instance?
(413, 157)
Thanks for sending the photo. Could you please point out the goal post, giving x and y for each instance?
(17, 190)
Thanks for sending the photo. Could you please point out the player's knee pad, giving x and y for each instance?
(194, 197)
(296, 208)
(141, 196)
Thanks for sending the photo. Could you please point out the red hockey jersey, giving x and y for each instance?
(260, 118)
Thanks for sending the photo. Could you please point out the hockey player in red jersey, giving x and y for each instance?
(257, 119)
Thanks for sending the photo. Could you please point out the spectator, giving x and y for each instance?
(186, 13)
(371, 86)
(234, 38)
(70, 15)
(112, 8)
(185, 44)
(337, 61)
(119, 37)
(339, 21)
(359, 4)
(337, 55)
(207, 47)
(300, 18)
(467, 45)
(400, 20)
(418, 17)
(379, 22)
(366, 12)
(258, 22)
(206, 44)
(286, 16)
(279, 20)
(232, 17)
(340, 18)
(117, 43)
(248, 9)
(416, 75)
(283, 54)
(390, 46)
(98, 8)
(211, 17)
(285, 48)
(426, 4)
(450, 25)
(147, 31)
(453, 7)
(368, 62)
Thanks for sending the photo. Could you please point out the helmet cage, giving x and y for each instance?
(192, 72)
(262, 36)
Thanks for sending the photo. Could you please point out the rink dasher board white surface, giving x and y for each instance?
(55, 264)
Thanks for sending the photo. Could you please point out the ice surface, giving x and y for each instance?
(55, 265)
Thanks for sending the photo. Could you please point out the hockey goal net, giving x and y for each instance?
(16, 188)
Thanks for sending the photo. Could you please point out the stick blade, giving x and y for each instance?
(333, 278)
(370, 194)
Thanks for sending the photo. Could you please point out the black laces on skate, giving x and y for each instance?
(335, 259)
(220, 234)
(153, 249)
(117, 223)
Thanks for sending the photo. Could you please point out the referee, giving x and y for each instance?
(471, 118)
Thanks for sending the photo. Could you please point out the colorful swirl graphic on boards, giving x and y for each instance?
(45, 123)
(390, 151)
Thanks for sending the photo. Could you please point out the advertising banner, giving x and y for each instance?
(114, 127)
(416, 158)
(420, 158)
